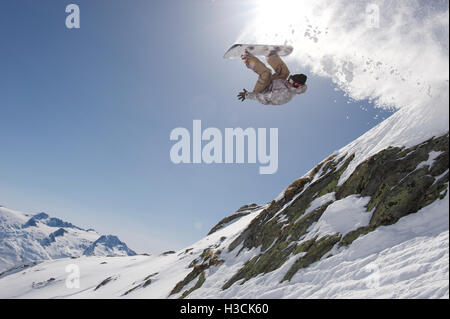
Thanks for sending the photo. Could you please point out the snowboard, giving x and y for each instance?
(237, 50)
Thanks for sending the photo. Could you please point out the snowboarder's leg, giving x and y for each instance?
(261, 69)
(280, 68)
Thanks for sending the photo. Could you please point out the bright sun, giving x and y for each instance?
(274, 18)
(280, 12)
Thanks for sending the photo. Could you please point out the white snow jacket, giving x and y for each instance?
(277, 93)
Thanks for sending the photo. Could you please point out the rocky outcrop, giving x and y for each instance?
(399, 181)
(52, 237)
(209, 258)
(243, 211)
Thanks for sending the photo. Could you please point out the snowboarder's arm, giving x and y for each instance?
(263, 98)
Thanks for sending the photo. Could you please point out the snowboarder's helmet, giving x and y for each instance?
(298, 79)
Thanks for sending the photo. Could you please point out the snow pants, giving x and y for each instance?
(265, 76)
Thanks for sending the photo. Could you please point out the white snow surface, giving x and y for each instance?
(409, 259)
(320, 201)
(341, 217)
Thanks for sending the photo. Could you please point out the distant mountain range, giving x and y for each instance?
(27, 238)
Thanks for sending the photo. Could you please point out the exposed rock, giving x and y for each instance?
(241, 212)
(399, 181)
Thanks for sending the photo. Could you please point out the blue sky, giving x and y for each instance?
(86, 116)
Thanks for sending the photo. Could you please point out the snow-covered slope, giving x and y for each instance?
(405, 260)
(382, 232)
(28, 238)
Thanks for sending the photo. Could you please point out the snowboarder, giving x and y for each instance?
(272, 89)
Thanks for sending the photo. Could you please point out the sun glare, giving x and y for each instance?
(275, 19)
(279, 12)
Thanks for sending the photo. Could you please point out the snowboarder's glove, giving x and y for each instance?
(242, 95)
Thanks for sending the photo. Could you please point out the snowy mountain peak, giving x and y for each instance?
(40, 216)
(32, 238)
(49, 221)
(109, 245)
